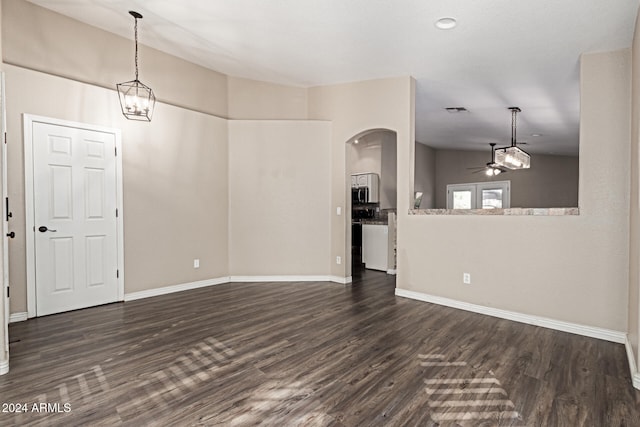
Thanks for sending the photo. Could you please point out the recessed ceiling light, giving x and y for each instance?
(356, 141)
(536, 134)
(456, 109)
(446, 23)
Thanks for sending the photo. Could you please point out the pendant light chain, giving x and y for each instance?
(513, 127)
(135, 30)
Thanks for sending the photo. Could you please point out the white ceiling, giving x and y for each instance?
(502, 53)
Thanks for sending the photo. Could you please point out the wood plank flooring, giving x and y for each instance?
(308, 354)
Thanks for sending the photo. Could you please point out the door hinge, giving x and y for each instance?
(7, 292)
(116, 212)
(5, 137)
(117, 274)
(116, 150)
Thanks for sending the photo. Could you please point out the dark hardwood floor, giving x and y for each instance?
(289, 354)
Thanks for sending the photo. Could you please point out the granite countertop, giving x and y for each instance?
(506, 212)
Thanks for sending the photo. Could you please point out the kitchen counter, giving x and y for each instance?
(374, 221)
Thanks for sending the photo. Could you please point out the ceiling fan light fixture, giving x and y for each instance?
(493, 171)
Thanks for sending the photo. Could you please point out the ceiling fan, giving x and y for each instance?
(491, 168)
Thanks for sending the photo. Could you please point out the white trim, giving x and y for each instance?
(18, 317)
(392, 271)
(633, 368)
(28, 121)
(232, 279)
(244, 279)
(175, 288)
(559, 325)
(342, 280)
(4, 367)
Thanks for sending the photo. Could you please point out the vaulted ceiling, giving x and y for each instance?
(502, 53)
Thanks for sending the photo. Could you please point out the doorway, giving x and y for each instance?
(74, 230)
(371, 161)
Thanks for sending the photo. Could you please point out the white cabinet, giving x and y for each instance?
(363, 180)
(375, 249)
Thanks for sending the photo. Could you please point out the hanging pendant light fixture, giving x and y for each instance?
(136, 99)
(513, 157)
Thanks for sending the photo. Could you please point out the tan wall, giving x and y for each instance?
(39, 39)
(552, 181)
(279, 198)
(365, 156)
(175, 201)
(574, 268)
(634, 235)
(354, 108)
(425, 179)
(389, 171)
(255, 100)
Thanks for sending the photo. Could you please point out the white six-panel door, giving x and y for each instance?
(74, 230)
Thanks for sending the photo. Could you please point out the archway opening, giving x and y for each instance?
(371, 180)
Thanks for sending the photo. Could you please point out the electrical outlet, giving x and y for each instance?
(196, 263)
(466, 278)
(338, 260)
(339, 210)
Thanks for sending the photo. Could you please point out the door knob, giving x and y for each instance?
(43, 228)
(11, 235)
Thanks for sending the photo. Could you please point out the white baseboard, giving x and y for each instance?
(391, 271)
(342, 280)
(175, 288)
(4, 367)
(559, 325)
(18, 317)
(292, 278)
(633, 368)
(222, 280)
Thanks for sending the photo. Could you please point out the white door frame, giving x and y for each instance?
(28, 121)
(5, 225)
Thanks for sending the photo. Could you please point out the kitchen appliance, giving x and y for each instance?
(359, 195)
(364, 188)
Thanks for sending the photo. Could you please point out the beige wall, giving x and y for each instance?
(175, 204)
(552, 181)
(388, 171)
(571, 268)
(366, 155)
(353, 109)
(39, 39)
(425, 179)
(251, 99)
(634, 235)
(279, 198)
